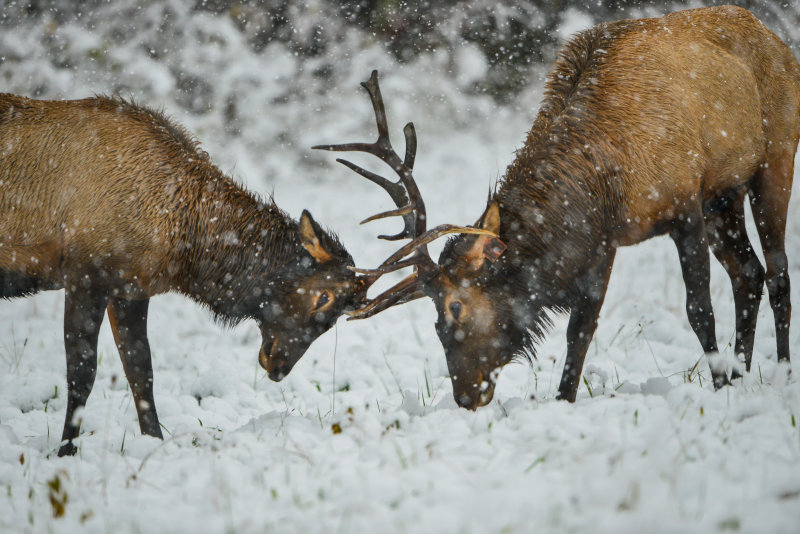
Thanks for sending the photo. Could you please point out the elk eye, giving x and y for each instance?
(455, 309)
(323, 299)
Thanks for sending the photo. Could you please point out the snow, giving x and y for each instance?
(364, 435)
(573, 21)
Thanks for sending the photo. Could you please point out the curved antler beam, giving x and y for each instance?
(410, 206)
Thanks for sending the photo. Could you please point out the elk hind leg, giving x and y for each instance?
(769, 199)
(728, 240)
(128, 320)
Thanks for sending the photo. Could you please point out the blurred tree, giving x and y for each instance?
(512, 35)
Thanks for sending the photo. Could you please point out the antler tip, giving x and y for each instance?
(395, 237)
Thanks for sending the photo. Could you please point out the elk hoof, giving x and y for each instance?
(67, 449)
(465, 401)
(721, 380)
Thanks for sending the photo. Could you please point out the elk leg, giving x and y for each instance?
(689, 235)
(83, 315)
(582, 324)
(769, 198)
(128, 320)
(727, 237)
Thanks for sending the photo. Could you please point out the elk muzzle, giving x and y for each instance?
(268, 363)
(278, 357)
(472, 390)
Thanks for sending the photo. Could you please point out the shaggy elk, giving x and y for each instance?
(648, 127)
(115, 204)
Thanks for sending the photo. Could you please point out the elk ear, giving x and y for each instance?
(310, 233)
(484, 246)
(490, 220)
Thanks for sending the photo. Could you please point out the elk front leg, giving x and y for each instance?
(689, 235)
(83, 315)
(582, 324)
(128, 320)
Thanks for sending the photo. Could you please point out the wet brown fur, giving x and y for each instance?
(153, 212)
(647, 127)
(116, 203)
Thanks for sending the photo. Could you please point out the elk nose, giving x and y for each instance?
(278, 370)
(276, 367)
(466, 401)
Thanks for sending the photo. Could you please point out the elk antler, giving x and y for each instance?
(410, 207)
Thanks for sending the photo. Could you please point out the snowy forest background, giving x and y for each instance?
(364, 436)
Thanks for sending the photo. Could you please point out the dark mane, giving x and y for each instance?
(569, 88)
(567, 157)
(261, 242)
(565, 126)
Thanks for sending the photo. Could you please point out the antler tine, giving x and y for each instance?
(423, 240)
(398, 194)
(410, 134)
(390, 213)
(386, 267)
(396, 191)
(404, 291)
(374, 91)
(405, 193)
(410, 288)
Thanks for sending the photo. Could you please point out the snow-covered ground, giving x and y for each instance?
(364, 435)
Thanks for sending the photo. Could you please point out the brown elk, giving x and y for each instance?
(648, 127)
(115, 203)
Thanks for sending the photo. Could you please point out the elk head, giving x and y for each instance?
(471, 320)
(480, 317)
(310, 295)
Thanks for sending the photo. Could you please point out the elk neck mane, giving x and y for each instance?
(562, 188)
(232, 246)
(240, 246)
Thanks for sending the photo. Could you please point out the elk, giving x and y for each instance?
(115, 203)
(648, 127)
